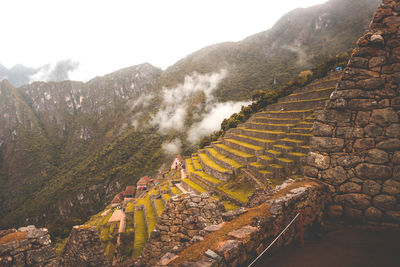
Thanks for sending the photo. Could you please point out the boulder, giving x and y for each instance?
(373, 171)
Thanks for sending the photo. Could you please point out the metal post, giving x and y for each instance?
(301, 228)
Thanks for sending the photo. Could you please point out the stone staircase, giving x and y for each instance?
(270, 147)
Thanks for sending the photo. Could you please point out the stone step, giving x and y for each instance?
(264, 134)
(237, 155)
(301, 104)
(273, 153)
(282, 148)
(286, 114)
(312, 94)
(275, 120)
(286, 162)
(258, 182)
(269, 126)
(325, 83)
(243, 146)
(301, 130)
(296, 156)
(196, 164)
(266, 143)
(192, 186)
(277, 170)
(205, 180)
(223, 160)
(300, 136)
(307, 123)
(264, 174)
(256, 166)
(213, 168)
(264, 159)
(290, 142)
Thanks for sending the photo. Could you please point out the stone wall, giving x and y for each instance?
(356, 145)
(183, 218)
(83, 248)
(28, 246)
(244, 244)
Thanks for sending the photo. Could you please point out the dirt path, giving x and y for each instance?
(343, 247)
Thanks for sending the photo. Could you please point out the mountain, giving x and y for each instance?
(67, 147)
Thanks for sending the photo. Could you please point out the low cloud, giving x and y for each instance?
(55, 72)
(211, 120)
(173, 147)
(174, 107)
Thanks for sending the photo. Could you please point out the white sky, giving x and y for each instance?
(104, 36)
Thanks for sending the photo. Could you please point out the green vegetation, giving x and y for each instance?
(209, 162)
(150, 213)
(194, 185)
(234, 151)
(159, 205)
(208, 177)
(223, 158)
(267, 141)
(196, 163)
(140, 233)
(238, 188)
(244, 144)
(130, 207)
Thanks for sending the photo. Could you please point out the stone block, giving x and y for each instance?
(350, 188)
(321, 129)
(335, 211)
(326, 144)
(318, 160)
(391, 187)
(334, 176)
(393, 215)
(371, 188)
(363, 144)
(377, 156)
(396, 157)
(230, 249)
(352, 213)
(373, 130)
(357, 201)
(377, 61)
(310, 171)
(383, 117)
(363, 118)
(373, 171)
(373, 214)
(393, 130)
(391, 144)
(385, 202)
(348, 161)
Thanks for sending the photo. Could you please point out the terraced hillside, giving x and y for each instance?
(267, 149)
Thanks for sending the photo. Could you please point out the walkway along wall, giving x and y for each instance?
(356, 145)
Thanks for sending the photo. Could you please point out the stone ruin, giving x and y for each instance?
(27, 246)
(356, 143)
(83, 248)
(182, 222)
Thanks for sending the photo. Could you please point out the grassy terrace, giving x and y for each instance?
(276, 166)
(264, 131)
(286, 111)
(264, 157)
(140, 234)
(209, 162)
(277, 119)
(265, 172)
(166, 196)
(227, 204)
(266, 141)
(305, 100)
(208, 177)
(196, 163)
(257, 164)
(284, 147)
(175, 190)
(273, 124)
(223, 158)
(285, 160)
(150, 212)
(98, 221)
(159, 205)
(130, 207)
(234, 151)
(239, 191)
(297, 154)
(314, 90)
(274, 152)
(194, 185)
(292, 140)
(189, 165)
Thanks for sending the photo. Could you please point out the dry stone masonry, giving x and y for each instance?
(356, 145)
(28, 246)
(83, 248)
(182, 222)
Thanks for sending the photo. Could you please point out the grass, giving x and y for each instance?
(287, 111)
(254, 147)
(150, 212)
(140, 234)
(305, 100)
(159, 205)
(273, 124)
(238, 188)
(264, 157)
(276, 166)
(315, 90)
(130, 207)
(175, 190)
(213, 241)
(264, 131)
(229, 205)
(17, 236)
(110, 249)
(212, 164)
(285, 160)
(196, 163)
(297, 154)
(97, 220)
(235, 151)
(284, 147)
(292, 140)
(274, 152)
(278, 119)
(194, 185)
(267, 141)
(223, 158)
(208, 177)
(257, 164)
(166, 196)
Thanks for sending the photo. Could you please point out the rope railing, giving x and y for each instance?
(284, 230)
